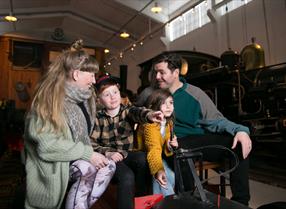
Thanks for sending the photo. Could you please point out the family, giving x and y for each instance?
(73, 150)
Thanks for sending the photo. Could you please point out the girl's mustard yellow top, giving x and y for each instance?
(150, 139)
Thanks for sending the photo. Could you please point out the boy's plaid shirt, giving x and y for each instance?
(115, 134)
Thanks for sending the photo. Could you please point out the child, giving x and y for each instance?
(113, 137)
(158, 141)
(56, 135)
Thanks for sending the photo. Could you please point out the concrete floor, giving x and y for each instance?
(264, 193)
(260, 193)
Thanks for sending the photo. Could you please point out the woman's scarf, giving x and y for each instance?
(75, 117)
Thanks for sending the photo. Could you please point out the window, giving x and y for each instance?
(203, 8)
(194, 18)
(177, 28)
(197, 16)
(231, 5)
(27, 55)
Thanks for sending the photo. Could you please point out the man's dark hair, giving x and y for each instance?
(174, 60)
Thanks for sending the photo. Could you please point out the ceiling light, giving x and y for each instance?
(106, 51)
(124, 35)
(156, 9)
(10, 18)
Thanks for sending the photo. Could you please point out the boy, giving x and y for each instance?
(113, 137)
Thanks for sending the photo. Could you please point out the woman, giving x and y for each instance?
(57, 132)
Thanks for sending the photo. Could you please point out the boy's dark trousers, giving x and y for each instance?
(131, 173)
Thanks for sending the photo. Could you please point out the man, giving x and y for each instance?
(196, 116)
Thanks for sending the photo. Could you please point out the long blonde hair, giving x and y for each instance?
(48, 102)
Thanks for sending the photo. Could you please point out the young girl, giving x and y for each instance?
(57, 143)
(159, 141)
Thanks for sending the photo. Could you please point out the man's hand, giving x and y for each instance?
(156, 116)
(98, 160)
(246, 144)
(115, 156)
(161, 178)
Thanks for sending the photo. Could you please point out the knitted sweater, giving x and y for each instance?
(49, 153)
(154, 144)
(47, 164)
